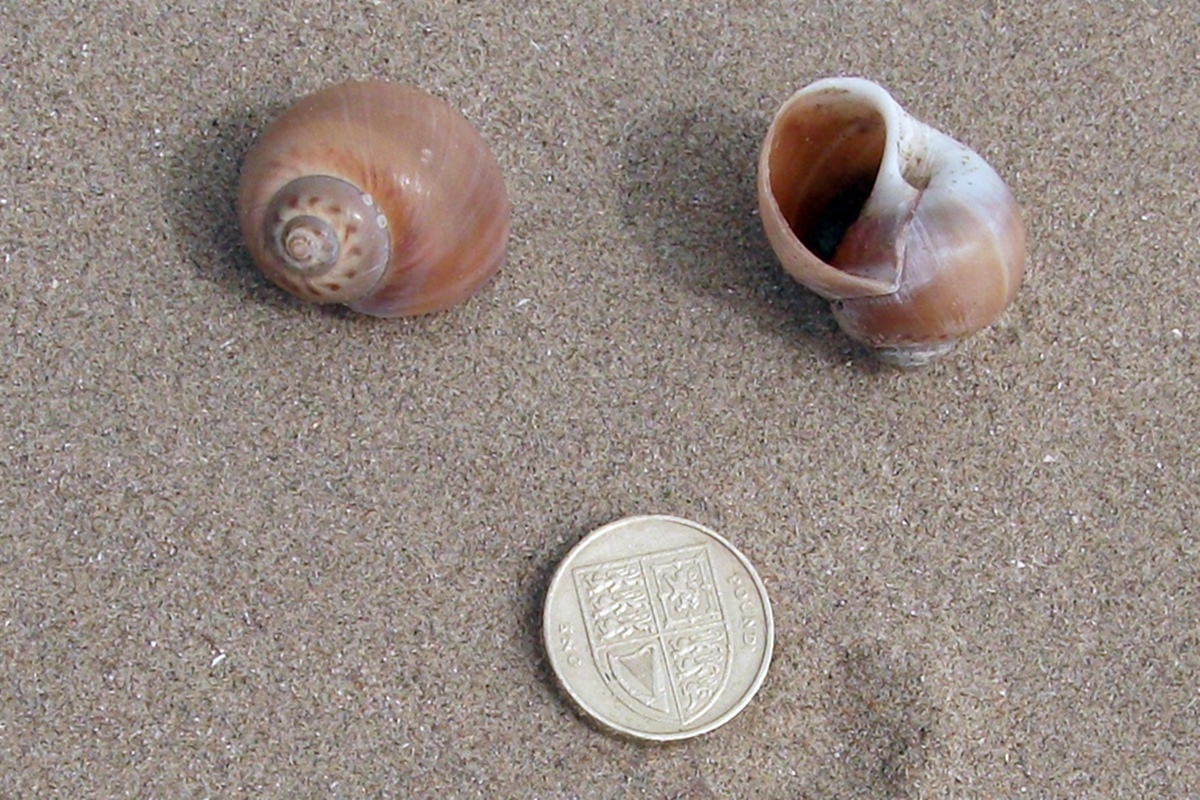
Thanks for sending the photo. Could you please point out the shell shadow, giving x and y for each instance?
(691, 200)
(200, 199)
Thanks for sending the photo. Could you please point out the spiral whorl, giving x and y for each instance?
(329, 240)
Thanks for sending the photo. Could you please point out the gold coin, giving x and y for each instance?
(657, 628)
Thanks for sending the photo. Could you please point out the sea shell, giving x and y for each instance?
(912, 236)
(376, 195)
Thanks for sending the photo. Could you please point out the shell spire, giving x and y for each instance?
(376, 195)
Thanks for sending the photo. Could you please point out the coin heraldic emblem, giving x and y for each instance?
(657, 632)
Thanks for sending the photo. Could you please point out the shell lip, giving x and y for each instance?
(889, 189)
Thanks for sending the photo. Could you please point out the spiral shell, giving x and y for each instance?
(376, 195)
(914, 238)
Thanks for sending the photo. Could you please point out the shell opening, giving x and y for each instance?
(823, 168)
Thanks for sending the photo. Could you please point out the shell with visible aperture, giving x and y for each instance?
(912, 236)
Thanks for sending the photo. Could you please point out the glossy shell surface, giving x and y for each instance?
(405, 184)
(911, 235)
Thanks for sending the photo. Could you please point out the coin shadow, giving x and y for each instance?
(538, 581)
(539, 578)
(691, 200)
(886, 725)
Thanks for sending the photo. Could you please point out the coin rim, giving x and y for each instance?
(597, 717)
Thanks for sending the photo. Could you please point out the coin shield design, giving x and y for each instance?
(657, 630)
(658, 636)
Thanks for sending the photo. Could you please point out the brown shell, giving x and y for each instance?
(913, 237)
(397, 185)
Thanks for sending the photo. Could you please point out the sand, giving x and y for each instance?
(257, 548)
